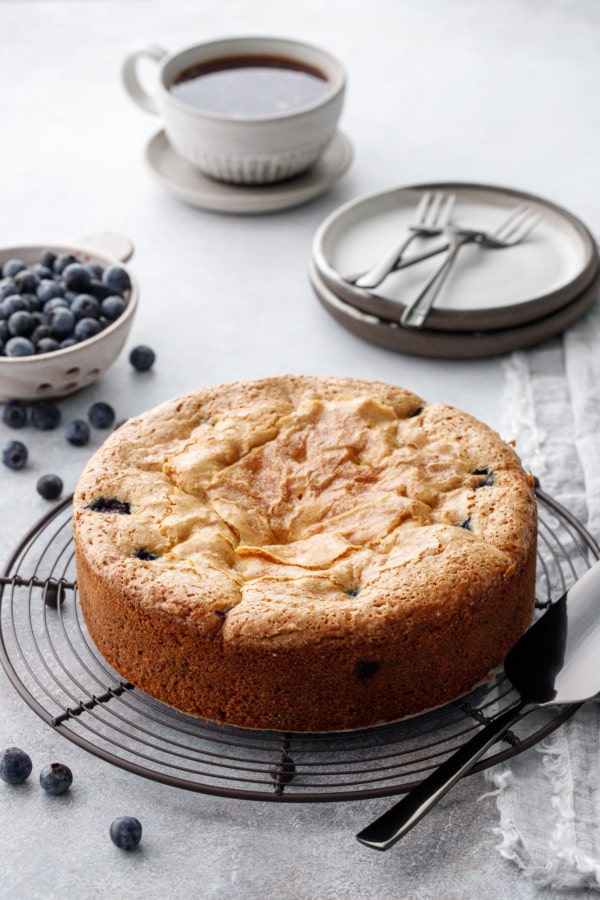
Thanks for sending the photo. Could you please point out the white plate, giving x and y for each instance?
(191, 186)
(445, 344)
(487, 289)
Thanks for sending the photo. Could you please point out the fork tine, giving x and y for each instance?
(527, 225)
(513, 221)
(446, 212)
(434, 209)
(421, 210)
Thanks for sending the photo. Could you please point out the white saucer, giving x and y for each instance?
(191, 186)
(488, 289)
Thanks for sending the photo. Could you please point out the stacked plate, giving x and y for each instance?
(494, 300)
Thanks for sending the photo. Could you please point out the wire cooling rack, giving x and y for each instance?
(52, 662)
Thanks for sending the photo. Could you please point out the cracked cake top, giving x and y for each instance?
(266, 509)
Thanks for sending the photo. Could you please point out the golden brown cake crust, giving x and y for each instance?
(305, 553)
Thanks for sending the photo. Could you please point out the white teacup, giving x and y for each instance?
(237, 147)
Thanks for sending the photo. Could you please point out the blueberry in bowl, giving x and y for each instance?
(65, 314)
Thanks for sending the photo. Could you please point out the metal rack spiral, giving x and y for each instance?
(53, 664)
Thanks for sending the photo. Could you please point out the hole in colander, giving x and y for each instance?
(74, 371)
(42, 388)
(93, 373)
(70, 386)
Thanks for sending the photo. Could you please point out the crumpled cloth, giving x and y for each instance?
(549, 796)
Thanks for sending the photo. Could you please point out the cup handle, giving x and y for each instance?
(131, 80)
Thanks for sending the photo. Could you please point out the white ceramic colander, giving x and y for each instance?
(64, 371)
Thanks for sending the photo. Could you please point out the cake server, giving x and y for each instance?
(555, 662)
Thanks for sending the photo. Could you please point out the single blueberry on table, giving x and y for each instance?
(19, 346)
(21, 323)
(14, 414)
(49, 487)
(14, 455)
(76, 277)
(101, 415)
(126, 832)
(77, 432)
(15, 765)
(112, 306)
(142, 358)
(85, 305)
(117, 279)
(56, 778)
(12, 266)
(86, 328)
(62, 323)
(45, 415)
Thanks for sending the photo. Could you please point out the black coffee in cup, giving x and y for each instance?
(250, 86)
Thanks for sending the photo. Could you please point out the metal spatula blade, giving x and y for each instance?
(555, 662)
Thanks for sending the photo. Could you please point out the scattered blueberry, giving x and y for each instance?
(56, 778)
(14, 414)
(19, 346)
(49, 487)
(77, 432)
(12, 266)
(45, 415)
(126, 832)
(116, 278)
(76, 277)
(15, 765)
(101, 415)
(142, 358)
(14, 455)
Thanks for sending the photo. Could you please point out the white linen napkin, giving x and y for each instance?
(549, 797)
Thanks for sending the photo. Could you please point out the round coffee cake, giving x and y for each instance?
(305, 554)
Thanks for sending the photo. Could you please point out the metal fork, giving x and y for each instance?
(512, 231)
(432, 215)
